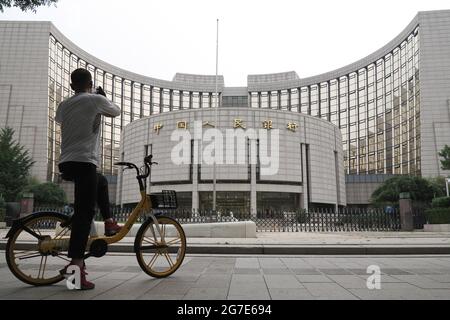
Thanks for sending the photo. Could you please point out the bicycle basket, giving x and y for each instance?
(165, 200)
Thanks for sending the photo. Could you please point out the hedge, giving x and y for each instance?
(438, 216)
(443, 202)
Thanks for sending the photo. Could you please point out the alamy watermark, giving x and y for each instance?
(374, 281)
(229, 147)
(73, 278)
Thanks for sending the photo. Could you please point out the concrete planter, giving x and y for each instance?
(437, 228)
(241, 230)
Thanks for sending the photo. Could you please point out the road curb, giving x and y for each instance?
(289, 249)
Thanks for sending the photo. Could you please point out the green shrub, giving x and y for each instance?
(345, 219)
(418, 188)
(438, 216)
(302, 217)
(438, 185)
(2, 209)
(365, 220)
(48, 194)
(443, 202)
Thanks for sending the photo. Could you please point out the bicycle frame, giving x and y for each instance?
(143, 207)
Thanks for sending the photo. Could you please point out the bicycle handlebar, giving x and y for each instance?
(141, 177)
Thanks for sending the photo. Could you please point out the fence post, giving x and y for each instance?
(26, 205)
(406, 212)
(322, 220)
(338, 220)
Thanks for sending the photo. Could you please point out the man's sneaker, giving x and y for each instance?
(84, 284)
(112, 228)
(63, 272)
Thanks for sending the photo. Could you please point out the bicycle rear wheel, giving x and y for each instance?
(160, 258)
(24, 254)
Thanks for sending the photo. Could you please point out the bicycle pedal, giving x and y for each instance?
(110, 234)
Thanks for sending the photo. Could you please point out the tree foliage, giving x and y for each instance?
(445, 154)
(438, 185)
(442, 202)
(418, 188)
(25, 5)
(15, 164)
(2, 202)
(47, 194)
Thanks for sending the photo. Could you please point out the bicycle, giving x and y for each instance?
(43, 237)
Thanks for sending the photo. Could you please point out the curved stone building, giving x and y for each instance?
(267, 159)
(392, 107)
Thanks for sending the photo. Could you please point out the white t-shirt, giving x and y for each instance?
(80, 119)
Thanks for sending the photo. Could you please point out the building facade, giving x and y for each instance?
(392, 107)
(266, 160)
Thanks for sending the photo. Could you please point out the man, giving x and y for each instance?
(80, 119)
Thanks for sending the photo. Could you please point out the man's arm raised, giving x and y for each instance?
(105, 107)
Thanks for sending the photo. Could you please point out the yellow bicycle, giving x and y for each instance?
(38, 244)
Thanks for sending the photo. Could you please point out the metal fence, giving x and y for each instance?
(419, 216)
(344, 220)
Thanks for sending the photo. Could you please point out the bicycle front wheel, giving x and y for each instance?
(160, 255)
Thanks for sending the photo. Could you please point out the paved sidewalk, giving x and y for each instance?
(253, 277)
(312, 243)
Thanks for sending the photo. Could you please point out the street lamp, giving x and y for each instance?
(216, 110)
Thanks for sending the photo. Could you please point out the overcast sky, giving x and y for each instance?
(160, 38)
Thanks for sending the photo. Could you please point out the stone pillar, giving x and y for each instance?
(26, 205)
(195, 201)
(305, 178)
(253, 152)
(195, 178)
(406, 213)
(253, 194)
(338, 181)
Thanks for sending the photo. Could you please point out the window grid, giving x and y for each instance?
(377, 108)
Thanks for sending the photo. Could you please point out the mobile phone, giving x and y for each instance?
(100, 91)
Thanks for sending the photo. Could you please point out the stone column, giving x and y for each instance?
(406, 213)
(254, 194)
(26, 205)
(253, 152)
(195, 201)
(338, 181)
(305, 178)
(195, 178)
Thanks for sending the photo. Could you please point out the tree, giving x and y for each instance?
(48, 194)
(25, 5)
(2, 209)
(418, 188)
(15, 164)
(2, 202)
(438, 185)
(445, 153)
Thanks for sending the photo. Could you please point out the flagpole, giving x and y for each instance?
(216, 105)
